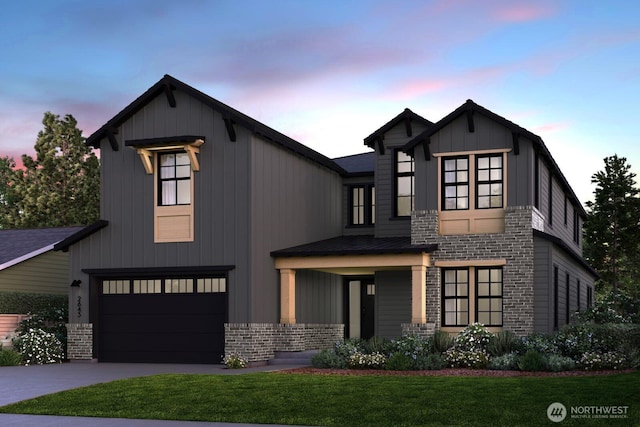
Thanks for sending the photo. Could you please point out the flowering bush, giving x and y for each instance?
(410, 345)
(557, 363)
(234, 361)
(593, 361)
(540, 343)
(473, 338)
(506, 362)
(459, 358)
(38, 347)
(367, 361)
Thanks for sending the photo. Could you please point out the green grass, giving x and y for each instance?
(328, 400)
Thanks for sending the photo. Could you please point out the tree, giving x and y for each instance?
(61, 185)
(7, 193)
(612, 232)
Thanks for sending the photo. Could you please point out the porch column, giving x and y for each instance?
(418, 294)
(287, 296)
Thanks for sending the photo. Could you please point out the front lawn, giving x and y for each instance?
(334, 400)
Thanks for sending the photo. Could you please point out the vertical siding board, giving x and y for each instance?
(393, 302)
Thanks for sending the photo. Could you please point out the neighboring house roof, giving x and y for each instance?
(231, 117)
(407, 117)
(358, 164)
(470, 108)
(19, 245)
(356, 245)
(80, 234)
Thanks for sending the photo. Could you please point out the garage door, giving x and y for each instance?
(162, 320)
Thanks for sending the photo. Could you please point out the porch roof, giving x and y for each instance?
(356, 245)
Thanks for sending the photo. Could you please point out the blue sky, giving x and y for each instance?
(329, 73)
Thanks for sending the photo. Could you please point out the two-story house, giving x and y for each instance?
(220, 234)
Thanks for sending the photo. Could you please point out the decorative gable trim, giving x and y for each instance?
(408, 117)
(146, 147)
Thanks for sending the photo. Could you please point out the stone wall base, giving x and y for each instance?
(423, 330)
(258, 342)
(80, 341)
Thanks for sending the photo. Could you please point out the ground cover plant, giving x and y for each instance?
(338, 400)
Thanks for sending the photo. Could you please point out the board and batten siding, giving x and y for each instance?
(387, 225)
(319, 297)
(393, 302)
(350, 230)
(221, 202)
(293, 201)
(548, 256)
(47, 273)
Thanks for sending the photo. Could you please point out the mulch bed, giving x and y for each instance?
(452, 372)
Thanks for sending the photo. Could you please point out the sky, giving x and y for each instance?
(329, 73)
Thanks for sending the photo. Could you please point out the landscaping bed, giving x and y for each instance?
(449, 372)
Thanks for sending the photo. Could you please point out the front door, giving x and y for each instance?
(360, 307)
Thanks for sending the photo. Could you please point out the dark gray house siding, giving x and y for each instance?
(393, 302)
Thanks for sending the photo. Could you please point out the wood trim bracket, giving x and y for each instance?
(470, 124)
(231, 131)
(516, 142)
(380, 143)
(111, 132)
(168, 91)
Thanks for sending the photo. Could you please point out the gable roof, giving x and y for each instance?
(19, 245)
(168, 84)
(470, 108)
(358, 164)
(406, 117)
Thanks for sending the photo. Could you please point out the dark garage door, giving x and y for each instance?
(162, 321)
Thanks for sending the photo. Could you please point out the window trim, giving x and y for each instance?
(175, 179)
(467, 183)
(368, 206)
(490, 296)
(456, 296)
(397, 175)
(490, 181)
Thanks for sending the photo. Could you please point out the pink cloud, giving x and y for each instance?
(522, 12)
(551, 127)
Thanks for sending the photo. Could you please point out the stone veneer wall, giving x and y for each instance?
(515, 245)
(79, 341)
(424, 330)
(258, 342)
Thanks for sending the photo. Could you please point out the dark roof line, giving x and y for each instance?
(228, 113)
(407, 114)
(470, 106)
(573, 254)
(80, 234)
(356, 245)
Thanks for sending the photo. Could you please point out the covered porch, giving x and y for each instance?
(355, 258)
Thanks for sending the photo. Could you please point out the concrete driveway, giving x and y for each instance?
(26, 382)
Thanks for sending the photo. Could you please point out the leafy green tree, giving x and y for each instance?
(612, 231)
(61, 185)
(7, 189)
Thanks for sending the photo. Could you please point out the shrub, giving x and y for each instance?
(400, 362)
(576, 339)
(412, 346)
(430, 362)
(593, 361)
(10, 358)
(503, 343)
(23, 303)
(615, 306)
(374, 345)
(473, 359)
(474, 337)
(51, 318)
(558, 363)
(540, 343)
(234, 361)
(506, 362)
(533, 361)
(441, 341)
(38, 347)
(328, 359)
(346, 348)
(367, 361)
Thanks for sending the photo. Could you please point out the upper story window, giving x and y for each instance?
(489, 181)
(174, 179)
(363, 205)
(404, 177)
(456, 183)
